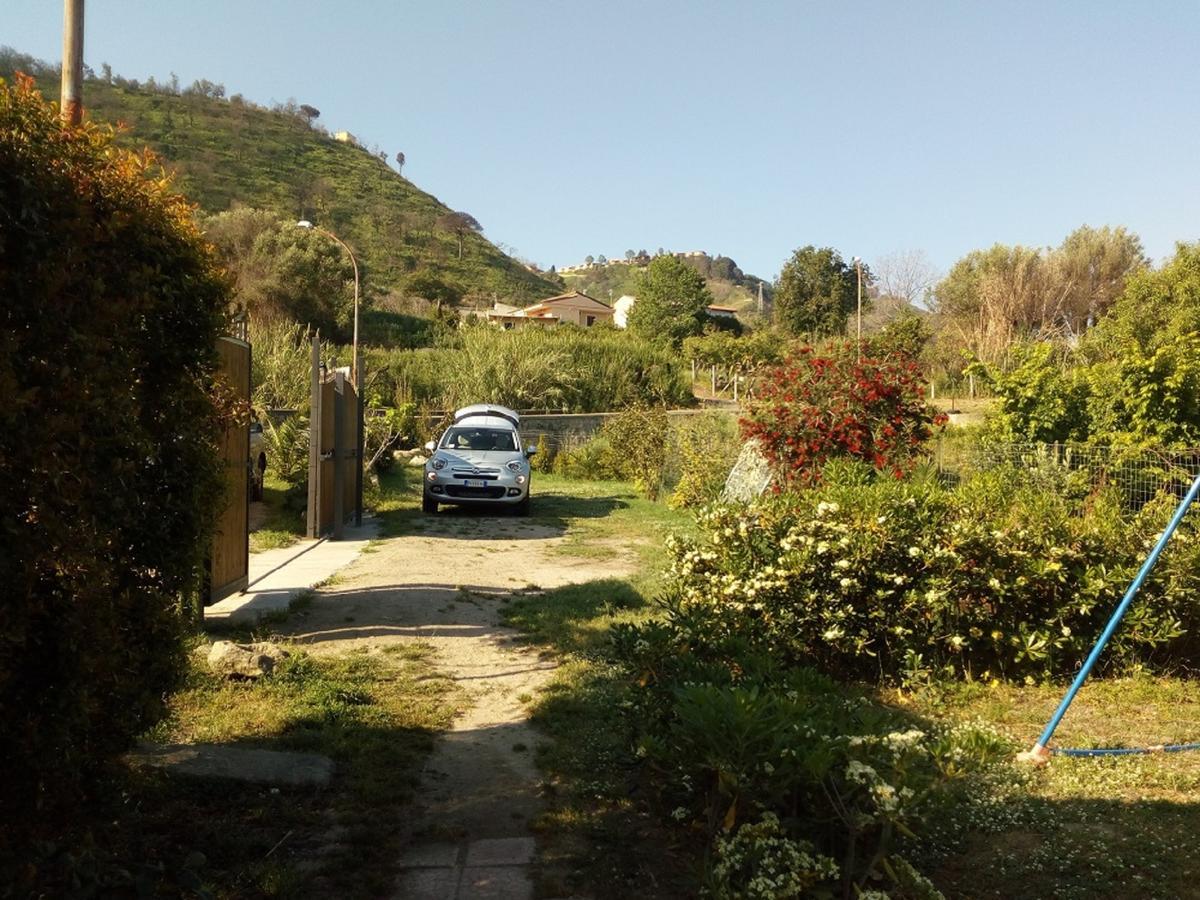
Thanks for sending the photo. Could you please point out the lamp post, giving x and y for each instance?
(858, 268)
(356, 369)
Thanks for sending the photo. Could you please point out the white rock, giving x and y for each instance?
(244, 660)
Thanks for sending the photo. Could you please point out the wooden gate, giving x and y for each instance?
(337, 415)
(230, 564)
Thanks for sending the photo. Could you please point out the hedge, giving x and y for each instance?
(110, 304)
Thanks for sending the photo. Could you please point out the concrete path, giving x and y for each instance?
(277, 577)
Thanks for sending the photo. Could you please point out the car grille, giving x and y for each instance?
(485, 474)
(467, 493)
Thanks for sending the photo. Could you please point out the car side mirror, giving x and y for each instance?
(530, 450)
(430, 446)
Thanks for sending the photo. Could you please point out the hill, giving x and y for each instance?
(728, 284)
(227, 150)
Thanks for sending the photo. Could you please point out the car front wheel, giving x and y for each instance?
(522, 508)
(429, 505)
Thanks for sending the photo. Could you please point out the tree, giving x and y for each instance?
(309, 113)
(400, 163)
(459, 224)
(1093, 265)
(602, 260)
(280, 270)
(671, 301)
(110, 307)
(815, 293)
(907, 275)
(589, 259)
(629, 254)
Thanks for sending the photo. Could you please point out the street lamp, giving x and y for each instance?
(858, 268)
(356, 370)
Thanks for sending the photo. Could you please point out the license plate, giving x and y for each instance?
(474, 482)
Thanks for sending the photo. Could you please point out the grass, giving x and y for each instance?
(375, 715)
(594, 837)
(282, 524)
(1115, 827)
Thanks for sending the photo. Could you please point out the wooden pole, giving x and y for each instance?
(314, 443)
(340, 455)
(71, 104)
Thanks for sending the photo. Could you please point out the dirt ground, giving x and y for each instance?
(446, 587)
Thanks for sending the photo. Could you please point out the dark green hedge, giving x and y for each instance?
(110, 305)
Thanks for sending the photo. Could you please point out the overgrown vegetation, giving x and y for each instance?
(568, 369)
(1133, 379)
(111, 306)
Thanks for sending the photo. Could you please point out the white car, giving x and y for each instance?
(479, 460)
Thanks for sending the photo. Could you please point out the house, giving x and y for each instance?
(345, 137)
(721, 312)
(621, 310)
(574, 308)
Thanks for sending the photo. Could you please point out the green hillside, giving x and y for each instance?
(727, 283)
(230, 151)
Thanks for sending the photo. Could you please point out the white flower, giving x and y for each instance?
(914, 552)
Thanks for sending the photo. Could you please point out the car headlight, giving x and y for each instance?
(514, 466)
(520, 479)
(439, 463)
(431, 476)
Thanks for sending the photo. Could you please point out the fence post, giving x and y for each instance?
(339, 456)
(314, 442)
(360, 439)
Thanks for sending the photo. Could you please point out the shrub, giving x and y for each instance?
(990, 578)
(819, 405)
(704, 449)
(110, 305)
(637, 440)
(543, 460)
(782, 768)
(287, 448)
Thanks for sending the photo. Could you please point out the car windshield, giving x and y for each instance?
(467, 438)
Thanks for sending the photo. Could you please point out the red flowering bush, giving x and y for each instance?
(820, 404)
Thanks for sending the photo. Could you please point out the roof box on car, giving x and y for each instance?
(487, 409)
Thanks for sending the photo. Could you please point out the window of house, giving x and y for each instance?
(591, 320)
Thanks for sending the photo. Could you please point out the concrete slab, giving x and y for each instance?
(514, 851)
(277, 577)
(427, 884)
(496, 883)
(423, 856)
(237, 763)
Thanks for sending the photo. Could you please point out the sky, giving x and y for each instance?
(742, 128)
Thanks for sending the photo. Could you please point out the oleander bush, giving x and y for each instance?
(110, 306)
(867, 577)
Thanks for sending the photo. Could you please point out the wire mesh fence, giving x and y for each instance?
(1076, 469)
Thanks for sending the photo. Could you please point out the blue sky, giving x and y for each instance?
(745, 128)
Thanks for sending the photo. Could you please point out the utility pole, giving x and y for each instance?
(858, 268)
(71, 106)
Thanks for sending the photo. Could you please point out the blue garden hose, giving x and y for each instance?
(1040, 752)
(1127, 751)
